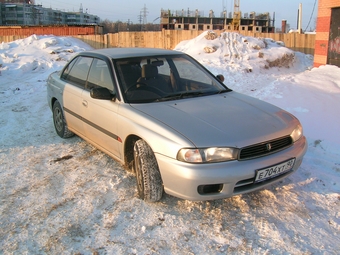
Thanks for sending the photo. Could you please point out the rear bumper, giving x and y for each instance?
(183, 180)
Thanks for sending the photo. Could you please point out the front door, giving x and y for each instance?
(100, 116)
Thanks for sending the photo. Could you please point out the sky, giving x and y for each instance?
(130, 10)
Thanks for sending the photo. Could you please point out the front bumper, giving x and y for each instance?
(223, 180)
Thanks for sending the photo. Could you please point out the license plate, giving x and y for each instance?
(271, 172)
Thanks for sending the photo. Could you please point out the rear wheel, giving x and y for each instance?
(149, 181)
(59, 121)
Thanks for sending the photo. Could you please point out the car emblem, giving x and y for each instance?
(269, 147)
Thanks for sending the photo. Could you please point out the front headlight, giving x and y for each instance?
(207, 155)
(297, 133)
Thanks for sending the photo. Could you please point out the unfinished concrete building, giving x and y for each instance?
(233, 21)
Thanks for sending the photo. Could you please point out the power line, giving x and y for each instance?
(311, 16)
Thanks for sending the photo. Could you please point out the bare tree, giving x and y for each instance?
(119, 26)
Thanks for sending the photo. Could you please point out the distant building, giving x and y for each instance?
(25, 13)
(327, 40)
(195, 20)
(17, 1)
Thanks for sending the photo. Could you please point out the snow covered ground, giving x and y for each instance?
(66, 197)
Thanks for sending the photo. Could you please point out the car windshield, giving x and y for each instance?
(164, 78)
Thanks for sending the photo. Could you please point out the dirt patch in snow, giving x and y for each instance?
(285, 61)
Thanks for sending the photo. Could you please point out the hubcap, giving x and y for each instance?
(58, 119)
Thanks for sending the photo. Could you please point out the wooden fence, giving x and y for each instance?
(168, 39)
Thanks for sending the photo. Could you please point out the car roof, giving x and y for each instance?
(118, 53)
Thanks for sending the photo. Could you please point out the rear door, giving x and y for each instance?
(75, 76)
(100, 116)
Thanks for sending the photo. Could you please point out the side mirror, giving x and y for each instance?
(101, 93)
(220, 77)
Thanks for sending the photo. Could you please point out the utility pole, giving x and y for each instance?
(140, 19)
(144, 14)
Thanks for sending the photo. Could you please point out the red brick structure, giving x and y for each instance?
(327, 41)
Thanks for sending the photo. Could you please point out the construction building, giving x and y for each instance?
(26, 13)
(233, 21)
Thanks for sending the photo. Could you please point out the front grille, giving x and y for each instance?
(262, 149)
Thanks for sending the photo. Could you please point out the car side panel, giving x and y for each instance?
(55, 89)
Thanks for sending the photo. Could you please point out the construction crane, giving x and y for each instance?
(237, 16)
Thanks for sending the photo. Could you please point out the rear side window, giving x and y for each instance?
(68, 69)
(76, 72)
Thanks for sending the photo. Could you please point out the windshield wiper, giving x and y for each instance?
(188, 94)
(224, 91)
(181, 95)
(191, 94)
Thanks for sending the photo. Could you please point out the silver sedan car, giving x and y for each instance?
(177, 126)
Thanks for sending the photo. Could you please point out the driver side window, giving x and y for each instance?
(100, 76)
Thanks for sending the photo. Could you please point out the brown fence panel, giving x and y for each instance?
(298, 42)
(95, 41)
(113, 40)
(11, 38)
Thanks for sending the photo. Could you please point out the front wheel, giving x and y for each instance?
(149, 181)
(59, 121)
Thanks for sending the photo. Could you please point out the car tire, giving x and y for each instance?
(59, 121)
(148, 177)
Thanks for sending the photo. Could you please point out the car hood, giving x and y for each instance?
(229, 119)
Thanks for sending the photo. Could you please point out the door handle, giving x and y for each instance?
(85, 103)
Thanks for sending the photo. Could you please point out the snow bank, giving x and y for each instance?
(236, 52)
(16, 56)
